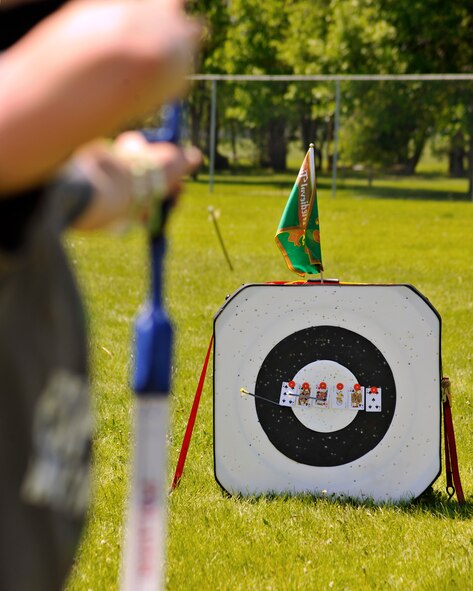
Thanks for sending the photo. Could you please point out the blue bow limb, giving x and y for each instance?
(153, 329)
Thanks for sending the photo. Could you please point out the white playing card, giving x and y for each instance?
(288, 396)
(321, 395)
(305, 395)
(373, 399)
(338, 396)
(356, 397)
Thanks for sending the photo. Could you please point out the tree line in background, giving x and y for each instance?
(388, 124)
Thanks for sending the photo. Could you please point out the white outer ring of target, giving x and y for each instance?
(404, 329)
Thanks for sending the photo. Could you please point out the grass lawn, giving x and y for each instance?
(216, 542)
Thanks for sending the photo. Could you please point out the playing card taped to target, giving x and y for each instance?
(344, 390)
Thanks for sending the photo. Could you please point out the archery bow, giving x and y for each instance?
(144, 552)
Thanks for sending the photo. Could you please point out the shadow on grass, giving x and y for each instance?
(402, 192)
(285, 180)
(355, 185)
(437, 504)
(433, 503)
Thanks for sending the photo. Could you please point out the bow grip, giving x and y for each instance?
(153, 330)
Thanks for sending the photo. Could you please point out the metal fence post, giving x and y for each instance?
(337, 78)
(213, 128)
(335, 138)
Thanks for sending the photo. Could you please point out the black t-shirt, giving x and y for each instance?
(18, 212)
(15, 213)
(45, 427)
(18, 20)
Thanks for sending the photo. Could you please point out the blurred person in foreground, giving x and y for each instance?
(70, 72)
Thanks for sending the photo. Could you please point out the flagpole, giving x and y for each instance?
(312, 161)
(312, 176)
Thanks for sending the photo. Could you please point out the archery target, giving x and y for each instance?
(384, 337)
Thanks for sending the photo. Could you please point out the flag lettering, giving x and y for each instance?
(298, 234)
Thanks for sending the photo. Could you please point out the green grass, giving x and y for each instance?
(282, 543)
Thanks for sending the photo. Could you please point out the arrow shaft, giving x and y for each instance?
(217, 229)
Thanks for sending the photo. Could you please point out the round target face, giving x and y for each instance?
(324, 446)
(343, 387)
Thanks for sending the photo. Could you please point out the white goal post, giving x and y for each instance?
(335, 78)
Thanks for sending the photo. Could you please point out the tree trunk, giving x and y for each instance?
(197, 107)
(469, 131)
(221, 161)
(233, 140)
(329, 121)
(456, 155)
(413, 160)
(308, 128)
(277, 144)
(469, 127)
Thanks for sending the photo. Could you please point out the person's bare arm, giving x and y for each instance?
(80, 73)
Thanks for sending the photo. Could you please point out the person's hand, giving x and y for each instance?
(173, 161)
(132, 178)
(157, 170)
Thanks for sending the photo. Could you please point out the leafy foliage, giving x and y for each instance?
(388, 125)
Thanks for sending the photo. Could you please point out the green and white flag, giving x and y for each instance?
(298, 234)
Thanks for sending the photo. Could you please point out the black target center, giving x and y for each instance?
(297, 441)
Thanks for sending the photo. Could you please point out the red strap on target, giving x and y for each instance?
(191, 422)
(451, 458)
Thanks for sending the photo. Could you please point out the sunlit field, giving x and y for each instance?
(398, 230)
